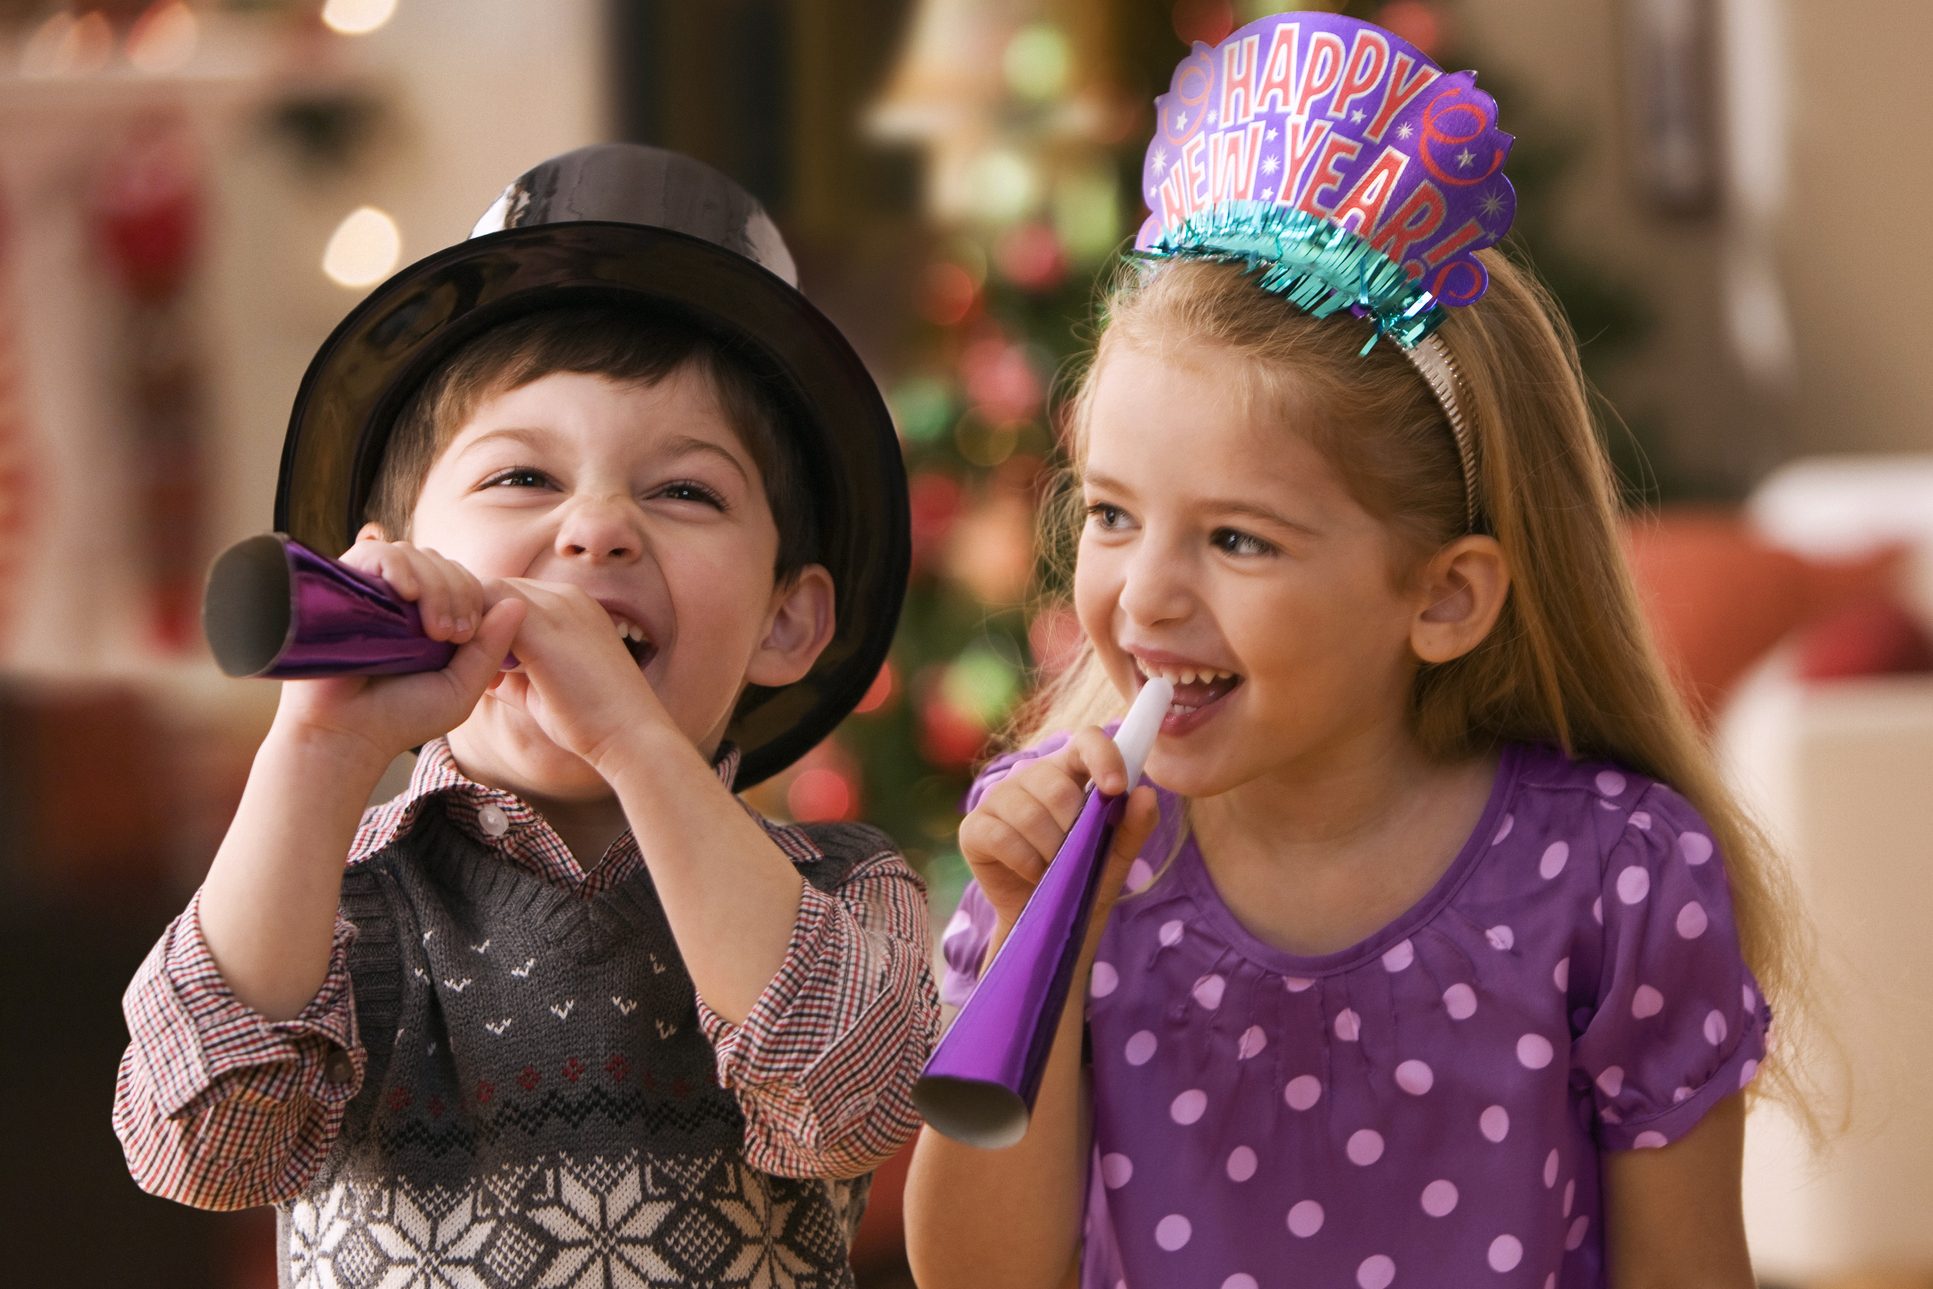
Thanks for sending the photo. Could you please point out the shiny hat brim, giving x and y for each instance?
(372, 362)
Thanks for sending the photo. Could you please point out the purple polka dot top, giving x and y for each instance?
(1428, 1107)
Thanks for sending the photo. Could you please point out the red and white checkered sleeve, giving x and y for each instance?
(215, 1105)
(824, 1064)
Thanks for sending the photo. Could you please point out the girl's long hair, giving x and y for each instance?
(1570, 661)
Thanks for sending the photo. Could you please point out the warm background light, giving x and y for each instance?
(364, 248)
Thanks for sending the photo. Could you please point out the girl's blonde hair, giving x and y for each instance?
(1570, 661)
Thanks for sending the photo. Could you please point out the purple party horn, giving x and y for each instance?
(277, 609)
(980, 1084)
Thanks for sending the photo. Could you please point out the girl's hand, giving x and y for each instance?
(575, 677)
(1019, 825)
(383, 716)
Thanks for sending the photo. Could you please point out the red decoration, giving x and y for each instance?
(950, 737)
(1206, 21)
(935, 502)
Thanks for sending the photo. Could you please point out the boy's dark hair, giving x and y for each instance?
(622, 344)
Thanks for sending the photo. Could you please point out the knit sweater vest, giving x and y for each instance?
(539, 1105)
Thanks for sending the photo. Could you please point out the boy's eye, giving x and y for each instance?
(692, 490)
(1233, 541)
(517, 477)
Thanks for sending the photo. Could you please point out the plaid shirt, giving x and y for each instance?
(219, 1107)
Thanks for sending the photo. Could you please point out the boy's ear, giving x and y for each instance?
(798, 630)
(1462, 591)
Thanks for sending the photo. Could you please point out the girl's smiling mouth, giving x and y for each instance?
(1199, 689)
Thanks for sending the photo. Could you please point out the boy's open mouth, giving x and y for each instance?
(638, 644)
(1195, 687)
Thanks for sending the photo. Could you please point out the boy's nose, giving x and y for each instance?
(600, 528)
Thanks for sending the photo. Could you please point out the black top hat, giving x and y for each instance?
(624, 223)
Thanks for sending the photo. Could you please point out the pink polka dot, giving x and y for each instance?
(1692, 921)
(1439, 1198)
(1188, 1107)
(1695, 847)
(1634, 884)
(1503, 830)
(1646, 1002)
(1550, 1281)
(1641, 821)
(1570, 1196)
(1173, 1232)
(1365, 1147)
(1494, 1123)
(1399, 957)
(1749, 998)
(1500, 937)
(1103, 981)
(1560, 975)
(1610, 782)
(1139, 1049)
(1460, 1001)
(1140, 875)
(1611, 1080)
(1534, 1051)
(1304, 1090)
(959, 922)
(1680, 1095)
(1116, 1170)
(1715, 1028)
(1648, 1140)
(1414, 1077)
(1575, 1236)
(1597, 910)
(1556, 855)
(1746, 1072)
(1208, 991)
(1376, 1272)
(1296, 984)
(1305, 1219)
(1252, 1041)
(1506, 1251)
(1171, 932)
(1241, 1164)
(1240, 1280)
(1550, 1170)
(1348, 1026)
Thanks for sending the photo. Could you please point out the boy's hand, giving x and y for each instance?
(575, 677)
(1019, 825)
(391, 714)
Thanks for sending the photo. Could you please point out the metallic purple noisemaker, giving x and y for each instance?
(277, 609)
(980, 1084)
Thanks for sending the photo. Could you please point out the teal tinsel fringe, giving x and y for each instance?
(1308, 261)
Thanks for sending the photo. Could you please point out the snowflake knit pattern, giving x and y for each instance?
(540, 1106)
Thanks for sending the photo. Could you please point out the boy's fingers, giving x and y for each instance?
(479, 661)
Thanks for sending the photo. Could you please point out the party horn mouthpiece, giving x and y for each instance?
(980, 1084)
(277, 609)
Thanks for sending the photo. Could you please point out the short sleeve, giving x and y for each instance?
(1679, 1023)
(963, 945)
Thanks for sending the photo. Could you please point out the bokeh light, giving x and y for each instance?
(1037, 61)
(357, 17)
(364, 248)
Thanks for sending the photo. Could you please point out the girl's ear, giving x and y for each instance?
(799, 629)
(1463, 588)
(371, 532)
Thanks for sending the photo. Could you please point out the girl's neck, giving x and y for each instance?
(1352, 800)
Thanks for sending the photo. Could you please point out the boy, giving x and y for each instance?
(572, 1013)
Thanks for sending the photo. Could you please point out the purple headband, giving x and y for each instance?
(1346, 169)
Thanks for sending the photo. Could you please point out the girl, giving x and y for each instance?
(1444, 954)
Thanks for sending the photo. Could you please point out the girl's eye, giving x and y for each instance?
(1106, 516)
(692, 490)
(517, 477)
(1233, 541)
